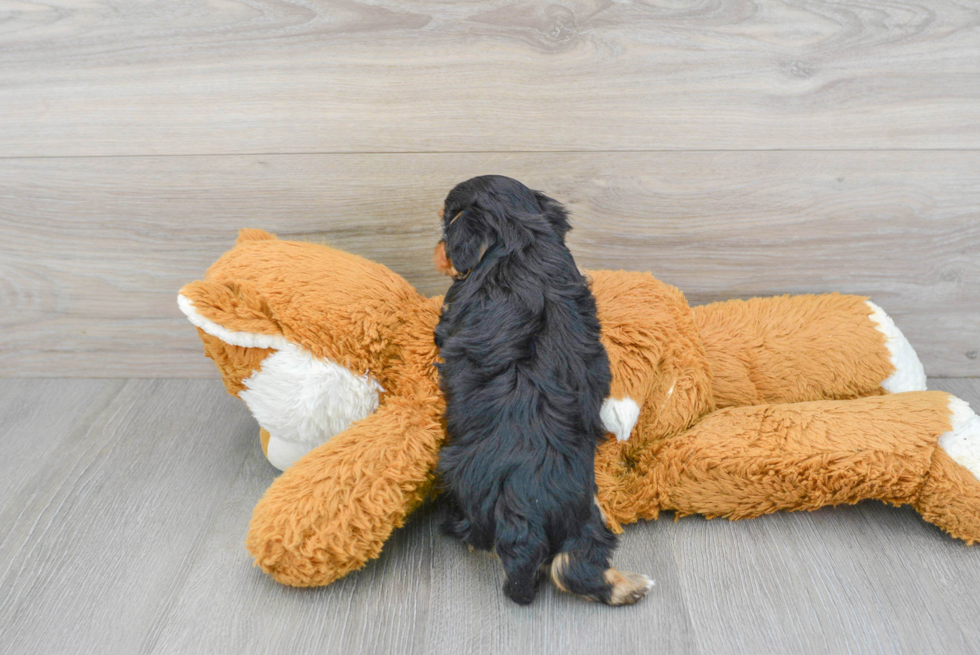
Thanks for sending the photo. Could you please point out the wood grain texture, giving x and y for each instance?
(102, 534)
(125, 535)
(182, 77)
(40, 419)
(426, 594)
(94, 250)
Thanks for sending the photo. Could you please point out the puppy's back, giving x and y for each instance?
(524, 375)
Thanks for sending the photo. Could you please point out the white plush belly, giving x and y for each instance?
(302, 401)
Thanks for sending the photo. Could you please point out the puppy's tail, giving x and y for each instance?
(582, 568)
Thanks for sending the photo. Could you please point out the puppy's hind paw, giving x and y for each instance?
(627, 588)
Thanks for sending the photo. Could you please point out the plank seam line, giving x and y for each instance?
(487, 152)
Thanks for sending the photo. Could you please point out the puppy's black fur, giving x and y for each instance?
(524, 376)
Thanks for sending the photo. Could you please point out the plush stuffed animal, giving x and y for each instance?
(732, 409)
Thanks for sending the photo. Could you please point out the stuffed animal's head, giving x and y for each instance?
(309, 337)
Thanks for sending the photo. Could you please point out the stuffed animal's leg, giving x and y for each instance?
(919, 448)
(798, 348)
(333, 510)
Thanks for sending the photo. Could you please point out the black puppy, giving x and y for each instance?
(524, 376)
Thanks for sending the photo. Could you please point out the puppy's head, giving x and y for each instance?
(493, 212)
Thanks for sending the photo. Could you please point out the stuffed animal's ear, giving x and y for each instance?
(555, 212)
(467, 239)
(234, 312)
(252, 234)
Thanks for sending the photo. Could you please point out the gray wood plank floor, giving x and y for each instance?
(124, 504)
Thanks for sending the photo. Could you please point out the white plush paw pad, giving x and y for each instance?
(619, 416)
(909, 374)
(962, 443)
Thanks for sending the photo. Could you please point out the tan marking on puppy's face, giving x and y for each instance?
(442, 261)
(443, 265)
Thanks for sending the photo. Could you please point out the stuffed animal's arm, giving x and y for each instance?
(921, 448)
(333, 510)
(800, 348)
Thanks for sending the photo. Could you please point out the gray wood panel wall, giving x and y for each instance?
(734, 149)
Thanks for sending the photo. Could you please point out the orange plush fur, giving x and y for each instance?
(745, 407)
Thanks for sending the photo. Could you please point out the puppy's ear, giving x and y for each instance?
(467, 239)
(555, 212)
